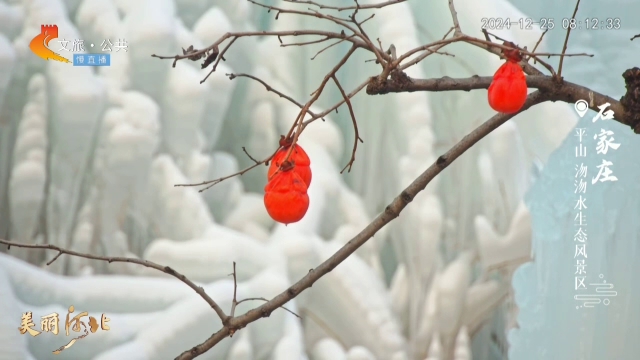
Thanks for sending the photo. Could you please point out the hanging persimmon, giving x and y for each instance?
(508, 90)
(299, 159)
(285, 196)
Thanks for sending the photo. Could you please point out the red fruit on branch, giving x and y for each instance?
(299, 159)
(285, 197)
(508, 90)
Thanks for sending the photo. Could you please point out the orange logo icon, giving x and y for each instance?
(40, 44)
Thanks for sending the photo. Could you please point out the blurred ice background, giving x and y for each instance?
(89, 157)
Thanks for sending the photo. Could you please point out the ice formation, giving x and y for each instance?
(545, 288)
(89, 160)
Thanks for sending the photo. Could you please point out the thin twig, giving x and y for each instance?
(338, 104)
(361, 7)
(454, 16)
(359, 24)
(306, 42)
(211, 183)
(494, 35)
(367, 19)
(314, 115)
(235, 290)
(428, 52)
(327, 47)
(270, 88)
(635, 37)
(566, 41)
(250, 157)
(355, 126)
(265, 300)
(379, 44)
(486, 35)
(165, 269)
(537, 44)
(447, 33)
(234, 302)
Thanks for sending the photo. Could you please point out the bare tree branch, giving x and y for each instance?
(165, 269)
(566, 92)
(391, 212)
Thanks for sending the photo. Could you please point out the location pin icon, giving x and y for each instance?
(581, 107)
